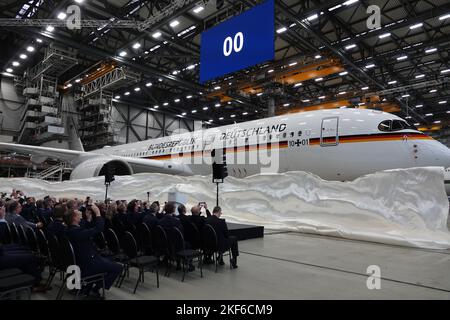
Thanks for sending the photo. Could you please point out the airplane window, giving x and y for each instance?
(397, 125)
(385, 125)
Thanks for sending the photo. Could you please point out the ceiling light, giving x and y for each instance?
(437, 121)
(445, 71)
(322, 97)
(305, 100)
(194, 111)
(384, 35)
(217, 88)
(117, 97)
(281, 30)
(259, 94)
(15, 64)
(292, 64)
(297, 85)
(417, 124)
(343, 92)
(205, 108)
(156, 107)
(50, 28)
(370, 66)
(349, 2)
(428, 115)
(392, 82)
(335, 7)
(432, 90)
(405, 96)
(127, 93)
(318, 56)
(184, 113)
(165, 104)
(244, 113)
(232, 116)
(9, 70)
(192, 66)
(137, 89)
(402, 58)
(442, 102)
(415, 26)
(160, 80)
(177, 100)
(198, 9)
(445, 16)
(419, 106)
(364, 88)
(23, 56)
(318, 79)
(148, 84)
(430, 50)
(420, 76)
(123, 53)
(174, 23)
(30, 48)
(350, 46)
(343, 73)
(137, 45)
(312, 17)
(270, 71)
(62, 16)
(286, 105)
(156, 35)
(79, 1)
(188, 97)
(217, 105)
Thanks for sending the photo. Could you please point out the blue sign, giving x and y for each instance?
(238, 43)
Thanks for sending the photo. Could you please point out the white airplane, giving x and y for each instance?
(335, 144)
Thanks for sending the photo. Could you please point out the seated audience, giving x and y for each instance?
(57, 227)
(196, 218)
(13, 216)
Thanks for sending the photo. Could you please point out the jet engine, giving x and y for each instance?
(95, 167)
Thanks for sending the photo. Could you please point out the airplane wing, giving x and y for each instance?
(90, 163)
(41, 152)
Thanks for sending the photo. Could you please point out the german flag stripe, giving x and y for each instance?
(372, 138)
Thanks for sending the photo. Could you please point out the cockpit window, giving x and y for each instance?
(394, 125)
(385, 125)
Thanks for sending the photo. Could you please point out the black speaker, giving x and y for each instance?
(220, 171)
(109, 173)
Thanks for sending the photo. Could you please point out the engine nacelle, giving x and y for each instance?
(95, 167)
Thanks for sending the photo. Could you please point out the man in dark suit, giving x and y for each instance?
(196, 218)
(57, 226)
(29, 210)
(13, 216)
(169, 220)
(88, 259)
(225, 241)
(182, 215)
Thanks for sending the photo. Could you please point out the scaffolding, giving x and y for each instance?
(97, 128)
(41, 120)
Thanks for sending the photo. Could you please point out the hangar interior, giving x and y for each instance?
(131, 73)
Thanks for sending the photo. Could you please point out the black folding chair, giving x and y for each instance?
(117, 255)
(142, 263)
(161, 246)
(5, 233)
(14, 233)
(32, 241)
(192, 235)
(23, 239)
(145, 239)
(55, 260)
(211, 246)
(178, 246)
(68, 259)
(14, 284)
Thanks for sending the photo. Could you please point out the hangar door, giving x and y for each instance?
(329, 135)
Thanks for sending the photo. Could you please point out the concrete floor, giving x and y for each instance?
(301, 266)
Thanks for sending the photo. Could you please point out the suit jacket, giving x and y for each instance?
(199, 221)
(150, 220)
(169, 221)
(57, 228)
(184, 219)
(29, 213)
(220, 226)
(18, 220)
(82, 242)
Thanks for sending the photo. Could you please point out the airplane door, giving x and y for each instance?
(329, 135)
